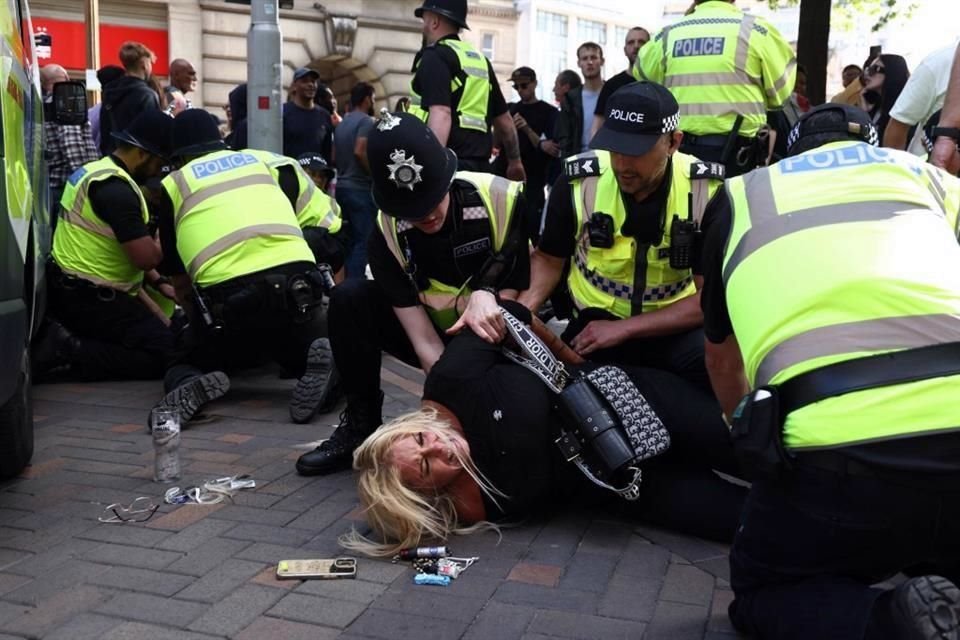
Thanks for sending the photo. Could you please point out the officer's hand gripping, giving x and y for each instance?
(483, 316)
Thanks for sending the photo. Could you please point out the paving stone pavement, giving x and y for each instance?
(202, 572)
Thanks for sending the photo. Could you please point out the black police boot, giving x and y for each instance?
(315, 387)
(55, 347)
(361, 418)
(193, 394)
(922, 608)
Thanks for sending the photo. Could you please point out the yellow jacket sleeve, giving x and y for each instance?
(778, 64)
(649, 65)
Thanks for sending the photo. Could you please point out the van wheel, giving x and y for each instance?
(16, 423)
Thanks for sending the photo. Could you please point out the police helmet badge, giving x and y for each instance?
(404, 171)
(387, 120)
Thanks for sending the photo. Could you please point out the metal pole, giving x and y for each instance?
(264, 124)
(91, 19)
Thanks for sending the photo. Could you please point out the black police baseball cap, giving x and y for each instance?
(411, 170)
(195, 132)
(831, 123)
(150, 131)
(313, 161)
(453, 10)
(637, 115)
(302, 72)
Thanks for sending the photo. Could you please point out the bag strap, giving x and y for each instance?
(871, 372)
(532, 354)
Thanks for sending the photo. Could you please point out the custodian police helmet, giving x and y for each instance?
(411, 170)
(453, 10)
(831, 123)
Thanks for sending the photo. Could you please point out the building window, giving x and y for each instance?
(487, 47)
(551, 57)
(621, 35)
(592, 31)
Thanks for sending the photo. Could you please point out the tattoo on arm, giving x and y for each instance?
(511, 143)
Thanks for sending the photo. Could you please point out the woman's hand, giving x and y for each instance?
(483, 316)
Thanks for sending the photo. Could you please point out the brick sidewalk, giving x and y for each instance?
(201, 572)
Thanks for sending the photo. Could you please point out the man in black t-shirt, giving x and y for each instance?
(636, 38)
(98, 325)
(460, 118)
(534, 120)
(306, 126)
(446, 246)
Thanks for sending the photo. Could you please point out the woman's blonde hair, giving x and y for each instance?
(398, 515)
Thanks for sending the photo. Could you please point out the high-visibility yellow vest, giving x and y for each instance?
(839, 253)
(473, 88)
(604, 278)
(314, 207)
(231, 218)
(84, 245)
(444, 301)
(720, 62)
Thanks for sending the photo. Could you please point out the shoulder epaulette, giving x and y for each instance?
(707, 171)
(582, 165)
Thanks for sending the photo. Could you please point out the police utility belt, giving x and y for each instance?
(70, 282)
(297, 294)
(607, 427)
(757, 427)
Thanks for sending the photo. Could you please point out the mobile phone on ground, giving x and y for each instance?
(322, 569)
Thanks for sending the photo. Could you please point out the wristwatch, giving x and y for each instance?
(947, 132)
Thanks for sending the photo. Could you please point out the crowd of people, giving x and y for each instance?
(751, 278)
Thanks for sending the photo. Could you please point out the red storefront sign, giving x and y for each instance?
(68, 43)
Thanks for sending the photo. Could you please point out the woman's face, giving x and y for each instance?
(875, 74)
(426, 460)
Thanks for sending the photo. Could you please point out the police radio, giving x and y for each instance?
(683, 237)
(600, 230)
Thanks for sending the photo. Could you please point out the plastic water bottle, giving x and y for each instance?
(165, 425)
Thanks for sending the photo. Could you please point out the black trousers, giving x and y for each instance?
(681, 353)
(120, 339)
(250, 339)
(809, 546)
(362, 325)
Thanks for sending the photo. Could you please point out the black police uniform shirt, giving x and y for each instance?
(928, 454)
(622, 79)
(541, 117)
(438, 65)
(117, 204)
(433, 254)
(644, 221)
(172, 264)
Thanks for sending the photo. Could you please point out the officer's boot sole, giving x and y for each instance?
(316, 384)
(188, 398)
(930, 607)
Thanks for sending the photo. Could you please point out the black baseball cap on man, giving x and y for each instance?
(831, 122)
(523, 75)
(638, 114)
(410, 169)
(303, 72)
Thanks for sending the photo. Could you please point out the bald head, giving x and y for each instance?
(50, 75)
(183, 76)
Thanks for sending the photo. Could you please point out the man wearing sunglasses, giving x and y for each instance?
(534, 120)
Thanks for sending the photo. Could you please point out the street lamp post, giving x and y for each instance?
(264, 119)
(91, 18)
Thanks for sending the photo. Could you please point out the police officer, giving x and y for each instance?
(455, 91)
(101, 249)
(726, 69)
(625, 216)
(447, 244)
(242, 268)
(831, 288)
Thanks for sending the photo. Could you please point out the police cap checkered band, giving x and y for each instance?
(847, 122)
(637, 115)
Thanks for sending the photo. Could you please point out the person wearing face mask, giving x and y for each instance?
(884, 79)
(127, 97)
(624, 215)
(446, 246)
(101, 249)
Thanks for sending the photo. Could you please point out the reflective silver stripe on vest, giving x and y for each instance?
(625, 291)
(743, 42)
(78, 220)
(881, 334)
(666, 51)
(499, 189)
(125, 287)
(723, 109)
(937, 190)
(75, 215)
(477, 73)
(237, 237)
(700, 79)
(194, 199)
(304, 198)
(782, 80)
(470, 121)
(767, 225)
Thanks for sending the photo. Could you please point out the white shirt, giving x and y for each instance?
(924, 92)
